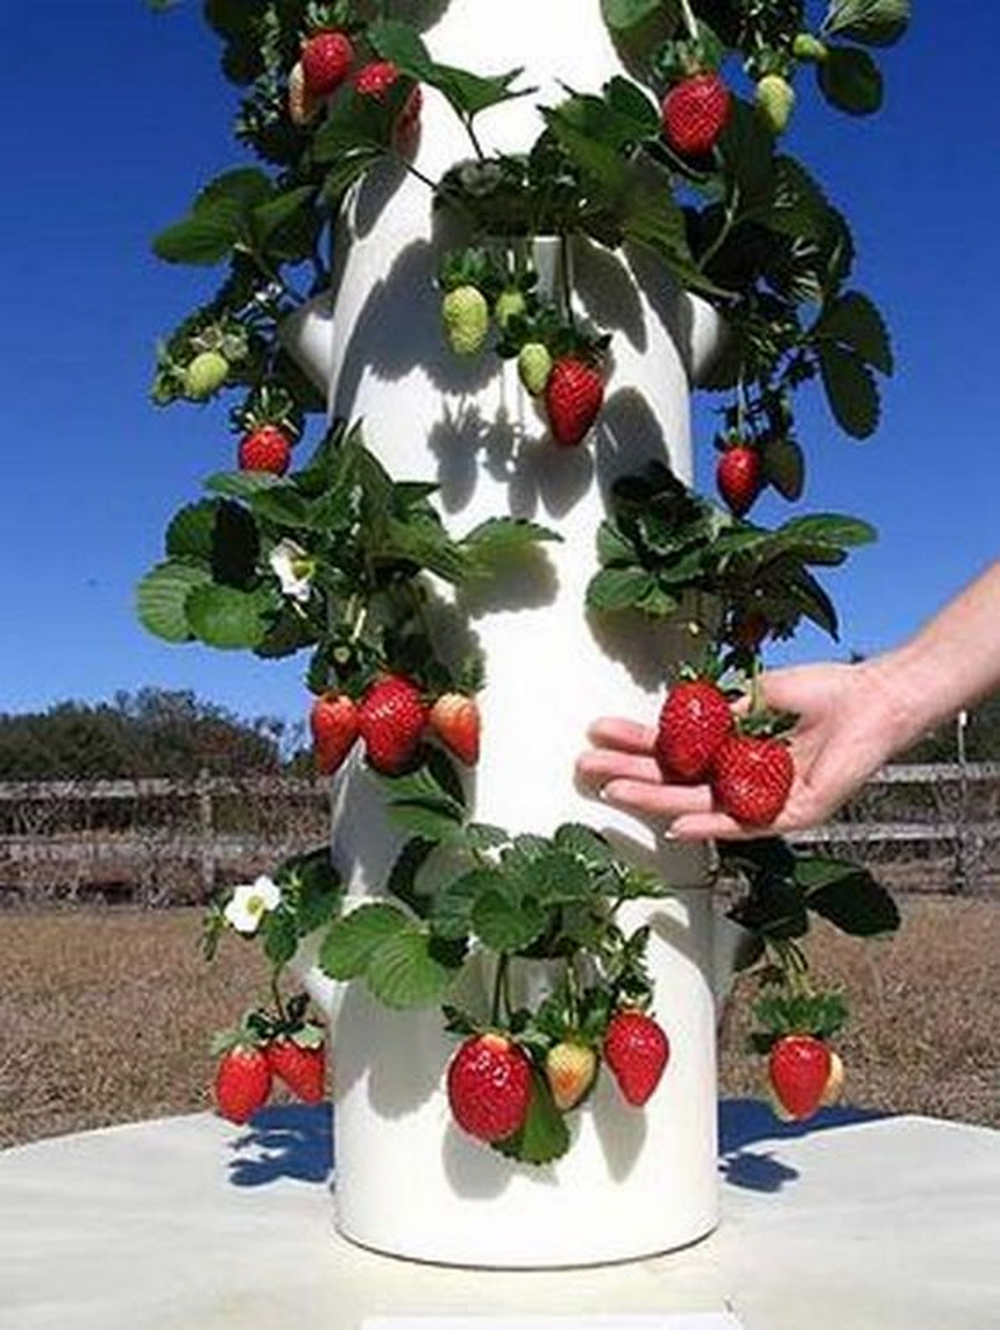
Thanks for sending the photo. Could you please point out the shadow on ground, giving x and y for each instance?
(296, 1141)
(747, 1122)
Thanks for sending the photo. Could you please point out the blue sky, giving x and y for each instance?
(113, 117)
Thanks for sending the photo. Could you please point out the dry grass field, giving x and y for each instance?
(106, 1015)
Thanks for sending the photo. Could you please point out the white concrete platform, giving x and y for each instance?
(190, 1224)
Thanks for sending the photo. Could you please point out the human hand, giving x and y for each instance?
(849, 723)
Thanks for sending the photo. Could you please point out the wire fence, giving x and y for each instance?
(168, 842)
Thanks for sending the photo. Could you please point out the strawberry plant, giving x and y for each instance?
(315, 548)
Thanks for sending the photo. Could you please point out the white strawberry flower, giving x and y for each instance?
(249, 903)
(294, 568)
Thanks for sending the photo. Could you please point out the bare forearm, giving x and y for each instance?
(951, 663)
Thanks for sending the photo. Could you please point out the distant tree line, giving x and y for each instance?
(159, 732)
(152, 732)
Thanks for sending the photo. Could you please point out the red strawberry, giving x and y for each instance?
(799, 1068)
(455, 720)
(303, 1069)
(265, 449)
(326, 61)
(738, 477)
(375, 79)
(489, 1087)
(695, 113)
(694, 720)
(334, 725)
(637, 1051)
(242, 1082)
(570, 1069)
(407, 128)
(574, 395)
(392, 718)
(752, 778)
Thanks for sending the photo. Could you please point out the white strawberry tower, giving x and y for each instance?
(634, 1182)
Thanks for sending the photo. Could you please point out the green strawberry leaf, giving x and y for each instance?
(241, 484)
(614, 590)
(544, 1136)
(161, 599)
(412, 969)
(352, 940)
(853, 321)
(621, 15)
(872, 22)
(850, 389)
(191, 533)
(853, 902)
(850, 80)
(505, 921)
(227, 618)
(280, 937)
(589, 845)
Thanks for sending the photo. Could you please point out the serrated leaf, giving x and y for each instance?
(203, 239)
(873, 22)
(191, 533)
(269, 216)
(225, 617)
(851, 80)
(613, 547)
(505, 922)
(544, 1136)
(620, 15)
(351, 941)
(556, 878)
(241, 484)
(613, 590)
(784, 467)
(856, 904)
(850, 389)
(161, 598)
(405, 972)
(451, 912)
(241, 189)
(402, 880)
(499, 535)
(579, 839)
(280, 937)
(829, 529)
(854, 320)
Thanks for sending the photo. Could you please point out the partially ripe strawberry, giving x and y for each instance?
(694, 720)
(752, 778)
(489, 1087)
(392, 718)
(265, 449)
(834, 1087)
(739, 476)
(695, 112)
(302, 107)
(466, 318)
(205, 375)
(326, 62)
(799, 1069)
(242, 1082)
(637, 1051)
(334, 724)
(574, 395)
(534, 365)
(375, 79)
(303, 1069)
(406, 132)
(456, 721)
(570, 1068)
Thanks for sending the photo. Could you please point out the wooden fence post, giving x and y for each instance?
(206, 831)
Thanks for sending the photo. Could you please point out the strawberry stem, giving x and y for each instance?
(500, 991)
(567, 285)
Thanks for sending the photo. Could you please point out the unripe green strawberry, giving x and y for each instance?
(509, 305)
(808, 47)
(534, 365)
(570, 1069)
(205, 375)
(466, 317)
(775, 99)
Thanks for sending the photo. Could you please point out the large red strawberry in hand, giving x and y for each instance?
(392, 718)
(799, 1068)
(694, 721)
(489, 1086)
(695, 112)
(334, 723)
(752, 777)
(574, 395)
(637, 1051)
(242, 1082)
